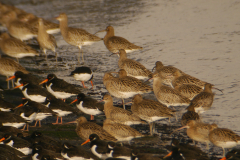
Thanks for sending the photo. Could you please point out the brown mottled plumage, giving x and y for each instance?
(203, 101)
(224, 138)
(19, 29)
(45, 40)
(75, 36)
(189, 90)
(167, 95)
(84, 129)
(8, 67)
(150, 110)
(189, 115)
(15, 48)
(166, 72)
(180, 79)
(119, 115)
(132, 67)
(120, 131)
(115, 43)
(124, 86)
(199, 131)
(29, 18)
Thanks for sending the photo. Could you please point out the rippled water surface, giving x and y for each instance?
(199, 37)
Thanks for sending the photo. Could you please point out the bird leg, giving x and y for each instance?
(35, 123)
(123, 103)
(153, 127)
(23, 127)
(56, 121)
(223, 152)
(92, 117)
(80, 50)
(7, 83)
(56, 57)
(92, 84)
(150, 128)
(83, 84)
(45, 52)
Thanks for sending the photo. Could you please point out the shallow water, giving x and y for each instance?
(199, 37)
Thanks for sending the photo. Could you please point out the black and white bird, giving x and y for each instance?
(33, 92)
(17, 143)
(72, 152)
(60, 88)
(88, 105)
(83, 74)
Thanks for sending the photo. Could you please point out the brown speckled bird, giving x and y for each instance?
(132, 67)
(124, 86)
(45, 40)
(150, 110)
(84, 129)
(15, 48)
(166, 94)
(199, 131)
(189, 115)
(225, 138)
(203, 101)
(189, 90)
(119, 115)
(180, 79)
(115, 43)
(75, 36)
(120, 131)
(166, 72)
(19, 29)
(29, 18)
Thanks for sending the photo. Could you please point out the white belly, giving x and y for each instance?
(59, 95)
(82, 77)
(87, 110)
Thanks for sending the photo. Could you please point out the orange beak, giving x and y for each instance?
(10, 78)
(20, 105)
(224, 158)
(85, 142)
(168, 155)
(2, 139)
(43, 81)
(18, 86)
(74, 101)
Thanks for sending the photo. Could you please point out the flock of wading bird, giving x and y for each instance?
(171, 86)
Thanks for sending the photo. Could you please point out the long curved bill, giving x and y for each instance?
(100, 31)
(153, 68)
(168, 155)
(100, 101)
(44, 81)
(74, 101)
(10, 78)
(179, 129)
(71, 122)
(149, 79)
(85, 142)
(19, 86)
(217, 89)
